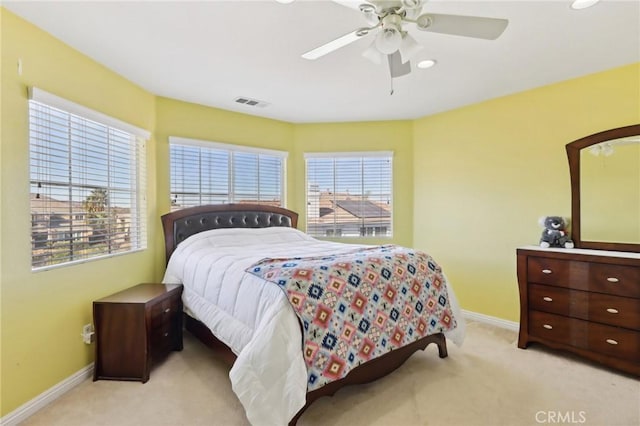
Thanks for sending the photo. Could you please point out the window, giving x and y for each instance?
(87, 183)
(349, 194)
(214, 173)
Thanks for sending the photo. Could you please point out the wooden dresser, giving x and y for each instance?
(583, 301)
(136, 327)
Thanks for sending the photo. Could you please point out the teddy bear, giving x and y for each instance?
(555, 232)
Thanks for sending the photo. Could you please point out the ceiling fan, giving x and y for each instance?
(387, 18)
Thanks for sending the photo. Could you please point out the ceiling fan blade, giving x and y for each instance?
(467, 26)
(336, 44)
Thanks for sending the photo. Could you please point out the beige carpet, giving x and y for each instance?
(487, 381)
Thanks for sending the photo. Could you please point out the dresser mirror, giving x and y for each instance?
(605, 189)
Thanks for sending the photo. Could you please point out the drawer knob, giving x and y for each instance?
(547, 271)
(548, 327)
(547, 299)
(166, 334)
(612, 310)
(613, 280)
(612, 342)
(166, 311)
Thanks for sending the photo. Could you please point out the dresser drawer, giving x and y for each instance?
(615, 279)
(550, 299)
(605, 278)
(614, 341)
(602, 308)
(603, 339)
(614, 310)
(559, 329)
(543, 270)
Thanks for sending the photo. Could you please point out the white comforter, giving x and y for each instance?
(253, 317)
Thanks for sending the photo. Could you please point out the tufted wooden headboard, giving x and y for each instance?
(183, 223)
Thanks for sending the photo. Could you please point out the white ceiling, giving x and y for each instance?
(211, 52)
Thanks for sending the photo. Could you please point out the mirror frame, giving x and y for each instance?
(573, 153)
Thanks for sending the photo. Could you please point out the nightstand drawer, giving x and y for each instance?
(164, 311)
(162, 340)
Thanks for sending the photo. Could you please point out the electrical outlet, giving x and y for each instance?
(87, 333)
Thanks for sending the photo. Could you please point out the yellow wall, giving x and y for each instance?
(469, 186)
(485, 173)
(43, 313)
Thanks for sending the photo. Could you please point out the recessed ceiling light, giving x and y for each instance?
(583, 4)
(427, 63)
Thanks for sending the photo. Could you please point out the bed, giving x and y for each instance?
(255, 330)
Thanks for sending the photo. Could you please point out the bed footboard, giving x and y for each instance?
(375, 369)
(365, 373)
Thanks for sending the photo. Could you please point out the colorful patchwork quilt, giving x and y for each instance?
(358, 306)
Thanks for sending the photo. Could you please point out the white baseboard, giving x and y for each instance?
(31, 407)
(498, 322)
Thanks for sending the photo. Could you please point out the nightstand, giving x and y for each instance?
(135, 328)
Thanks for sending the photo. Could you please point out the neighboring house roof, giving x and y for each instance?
(43, 204)
(363, 208)
(47, 205)
(348, 208)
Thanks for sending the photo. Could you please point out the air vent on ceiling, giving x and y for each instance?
(251, 102)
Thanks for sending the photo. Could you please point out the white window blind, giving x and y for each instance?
(349, 194)
(87, 186)
(213, 173)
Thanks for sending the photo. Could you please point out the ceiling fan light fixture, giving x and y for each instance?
(388, 40)
(408, 47)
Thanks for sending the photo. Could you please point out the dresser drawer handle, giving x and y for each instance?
(612, 310)
(613, 280)
(547, 271)
(548, 327)
(547, 299)
(166, 334)
(612, 342)
(166, 311)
